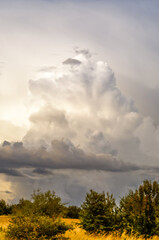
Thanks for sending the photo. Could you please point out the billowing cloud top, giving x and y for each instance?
(82, 103)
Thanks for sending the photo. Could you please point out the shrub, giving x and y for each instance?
(98, 212)
(36, 227)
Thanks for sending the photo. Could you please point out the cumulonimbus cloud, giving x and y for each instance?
(83, 121)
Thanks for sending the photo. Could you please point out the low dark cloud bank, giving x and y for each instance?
(62, 155)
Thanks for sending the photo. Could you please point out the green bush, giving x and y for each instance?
(36, 227)
(98, 212)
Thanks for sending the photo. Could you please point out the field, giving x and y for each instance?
(76, 234)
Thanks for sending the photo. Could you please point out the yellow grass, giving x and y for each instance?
(79, 234)
(4, 221)
(76, 234)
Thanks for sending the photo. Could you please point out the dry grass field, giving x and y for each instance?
(76, 234)
(4, 221)
(79, 234)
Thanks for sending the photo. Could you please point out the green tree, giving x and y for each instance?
(98, 212)
(5, 209)
(47, 204)
(139, 210)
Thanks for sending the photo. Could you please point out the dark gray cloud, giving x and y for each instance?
(62, 155)
(10, 172)
(42, 171)
(72, 61)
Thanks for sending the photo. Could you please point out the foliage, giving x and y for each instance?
(36, 227)
(138, 214)
(43, 204)
(5, 209)
(140, 210)
(23, 207)
(98, 212)
(72, 212)
(38, 219)
(47, 204)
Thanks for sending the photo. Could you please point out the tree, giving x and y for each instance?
(47, 204)
(139, 210)
(5, 209)
(98, 212)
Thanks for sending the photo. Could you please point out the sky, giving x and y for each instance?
(79, 96)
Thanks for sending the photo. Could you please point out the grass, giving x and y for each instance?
(4, 221)
(76, 234)
(79, 234)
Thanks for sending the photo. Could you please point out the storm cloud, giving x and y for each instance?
(61, 155)
(81, 122)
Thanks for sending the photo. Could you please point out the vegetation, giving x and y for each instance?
(77, 233)
(36, 227)
(47, 204)
(98, 212)
(80, 234)
(72, 212)
(5, 209)
(43, 204)
(140, 210)
(39, 218)
(138, 213)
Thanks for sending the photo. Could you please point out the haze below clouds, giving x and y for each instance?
(79, 96)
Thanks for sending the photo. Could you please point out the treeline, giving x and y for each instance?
(47, 204)
(137, 213)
